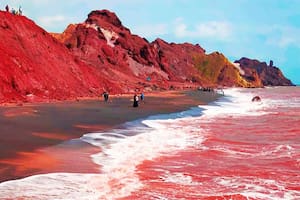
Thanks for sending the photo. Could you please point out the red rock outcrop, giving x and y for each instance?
(267, 75)
(103, 41)
(35, 66)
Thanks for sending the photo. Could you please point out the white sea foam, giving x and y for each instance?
(53, 186)
(257, 188)
(271, 150)
(179, 178)
(122, 150)
(235, 103)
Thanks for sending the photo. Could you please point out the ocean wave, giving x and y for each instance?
(121, 150)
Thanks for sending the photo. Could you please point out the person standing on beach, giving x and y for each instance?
(105, 96)
(142, 97)
(135, 100)
(7, 8)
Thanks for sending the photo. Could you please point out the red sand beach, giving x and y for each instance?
(41, 138)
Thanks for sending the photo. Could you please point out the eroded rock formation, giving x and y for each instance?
(101, 54)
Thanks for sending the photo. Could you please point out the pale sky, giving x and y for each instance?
(258, 29)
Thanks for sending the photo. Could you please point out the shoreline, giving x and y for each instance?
(41, 138)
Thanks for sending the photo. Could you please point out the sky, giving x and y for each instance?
(258, 29)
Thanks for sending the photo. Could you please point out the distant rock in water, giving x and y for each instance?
(268, 75)
(256, 99)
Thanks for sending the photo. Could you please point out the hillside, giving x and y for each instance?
(100, 55)
(34, 66)
(267, 75)
(104, 42)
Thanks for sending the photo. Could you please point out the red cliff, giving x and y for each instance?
(35, 66)
(267, 75)
(104, 42)
(101, 54)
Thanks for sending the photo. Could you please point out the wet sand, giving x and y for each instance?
(43, 138)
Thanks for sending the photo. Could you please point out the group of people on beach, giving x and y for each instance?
(135, 98)
(211, 89)
(13, 11)
(206, 89)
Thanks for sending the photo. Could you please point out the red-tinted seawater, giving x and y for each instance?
(231, 149)
(250, 150)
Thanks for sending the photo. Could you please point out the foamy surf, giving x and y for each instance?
(122, 150)
(235, 103)
(180, 139)
(257, 188)
(54, 186)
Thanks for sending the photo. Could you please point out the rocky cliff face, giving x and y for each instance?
(35, 66)
(262, 73)
(101, 54)
(104, 42)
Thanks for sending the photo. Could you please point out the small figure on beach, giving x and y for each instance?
(256, 99)
(105, 96)
(7, 8)
(135, 100)
(142, 97)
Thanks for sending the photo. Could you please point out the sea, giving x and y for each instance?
(232, 148)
